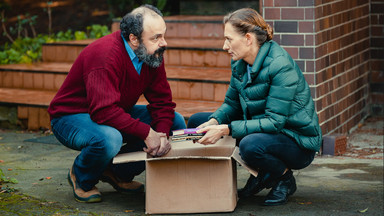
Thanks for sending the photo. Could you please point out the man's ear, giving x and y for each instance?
(134, 40)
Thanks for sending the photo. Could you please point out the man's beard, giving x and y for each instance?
(152, 60)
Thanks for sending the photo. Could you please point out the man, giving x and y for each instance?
(95, 110)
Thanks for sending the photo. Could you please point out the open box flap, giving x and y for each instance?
(222, 150)
(130, 157)
(237, 157)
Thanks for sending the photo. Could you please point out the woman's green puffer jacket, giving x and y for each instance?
(274, 99)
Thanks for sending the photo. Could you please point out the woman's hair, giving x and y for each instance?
(247, 20)
(132, 23)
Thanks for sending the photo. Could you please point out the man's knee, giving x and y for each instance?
(110, 142)
(178, 122)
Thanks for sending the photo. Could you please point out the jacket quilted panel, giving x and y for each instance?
(273, 98)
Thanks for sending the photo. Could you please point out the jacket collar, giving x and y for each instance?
(239, 68)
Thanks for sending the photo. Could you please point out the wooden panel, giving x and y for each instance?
(48, 81)
(44, 120)
(208, 91)
(196, 90)
(38, 82)
(22, 112)
(17, 79)
(220, 91)
(28, 80)
(33, 118)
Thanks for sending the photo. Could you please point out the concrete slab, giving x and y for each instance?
(342, 185)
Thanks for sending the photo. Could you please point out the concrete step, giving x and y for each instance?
(196, 83)
(32, 106)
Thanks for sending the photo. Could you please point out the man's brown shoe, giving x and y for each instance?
(125, 187)
(91, 196)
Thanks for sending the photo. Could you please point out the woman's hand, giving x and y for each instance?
(211, 121)
(213, 133)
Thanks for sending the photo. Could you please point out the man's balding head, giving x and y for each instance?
(132, 23)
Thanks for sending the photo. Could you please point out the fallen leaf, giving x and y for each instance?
(128, 211)
(48, 178)
(1, 161)
(9, 169)
(363, 211)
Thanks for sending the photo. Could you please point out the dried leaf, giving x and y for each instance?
(48, 178)
(363, 211)
(127, 211)
(9, 169)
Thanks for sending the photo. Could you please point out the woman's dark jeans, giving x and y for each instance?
(269, 153)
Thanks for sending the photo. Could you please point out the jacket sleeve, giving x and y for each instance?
(283, 85)
(230, 110)
(161, 106)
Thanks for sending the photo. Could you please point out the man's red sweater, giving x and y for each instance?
(104, 83)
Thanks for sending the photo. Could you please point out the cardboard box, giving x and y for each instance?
(191, 178)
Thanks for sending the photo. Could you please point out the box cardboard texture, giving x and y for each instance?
(191, 178)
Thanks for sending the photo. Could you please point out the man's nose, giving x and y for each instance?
(163, 43)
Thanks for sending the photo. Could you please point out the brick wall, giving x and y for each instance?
(330, 41)
(377, 57)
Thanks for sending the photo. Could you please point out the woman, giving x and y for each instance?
(268, 108)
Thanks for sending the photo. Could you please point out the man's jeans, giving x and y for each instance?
(271, 154)
(99, 144)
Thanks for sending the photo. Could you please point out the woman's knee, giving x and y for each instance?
(250, 148)
(197, 119)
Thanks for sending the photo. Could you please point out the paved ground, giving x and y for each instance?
(351, 184)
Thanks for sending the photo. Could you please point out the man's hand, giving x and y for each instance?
(213, 133)
(165, 146)
(153, 142)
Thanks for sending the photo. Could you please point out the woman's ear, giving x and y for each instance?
(134, 41)
(250, 39)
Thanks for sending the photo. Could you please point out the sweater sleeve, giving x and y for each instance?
(103, 97)
(159, 96)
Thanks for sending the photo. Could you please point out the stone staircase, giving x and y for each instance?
(198, 71)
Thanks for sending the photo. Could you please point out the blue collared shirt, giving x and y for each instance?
(135, 60)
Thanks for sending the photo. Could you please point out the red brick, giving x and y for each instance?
(309, 13)
(285, 3)
(293, 51)
(306, 27)
(292, 40)
(292, 13)
(309, 40)
(272, 13)
(268, 3)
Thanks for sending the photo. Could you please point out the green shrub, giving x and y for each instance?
(25, 50)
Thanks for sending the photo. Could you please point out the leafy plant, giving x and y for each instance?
(97, 31)
(25, 50)
(4, 179)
